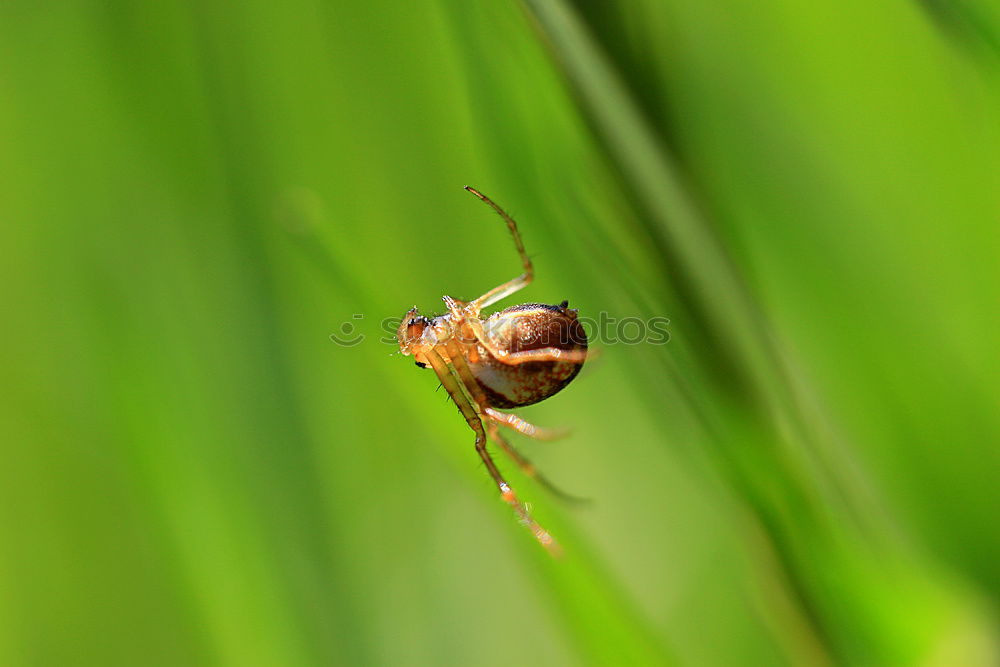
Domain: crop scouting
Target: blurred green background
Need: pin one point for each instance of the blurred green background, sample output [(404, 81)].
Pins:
[(196, 195)]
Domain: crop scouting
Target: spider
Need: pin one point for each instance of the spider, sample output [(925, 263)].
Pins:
[(516, 357)]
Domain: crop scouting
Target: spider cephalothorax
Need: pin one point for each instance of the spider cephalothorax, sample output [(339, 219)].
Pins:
[(516, 357)]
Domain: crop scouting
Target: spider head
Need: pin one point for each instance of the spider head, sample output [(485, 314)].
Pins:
[(411, 331)]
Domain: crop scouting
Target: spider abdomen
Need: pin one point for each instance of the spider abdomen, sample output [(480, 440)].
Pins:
[(530, 326)]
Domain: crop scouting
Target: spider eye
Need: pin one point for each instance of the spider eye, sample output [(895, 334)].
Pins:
[(415, 326)]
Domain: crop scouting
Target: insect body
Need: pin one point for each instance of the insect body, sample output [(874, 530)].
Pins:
[(516, 357)]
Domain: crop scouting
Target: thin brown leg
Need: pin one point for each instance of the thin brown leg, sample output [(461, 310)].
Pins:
[(524, 428), (465, 375), (506, 289), (544, 354), (455, 307), (454, 388), (527, 467)]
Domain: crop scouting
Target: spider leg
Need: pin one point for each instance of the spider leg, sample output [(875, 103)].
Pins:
[(454, 387), (454, 307), (523, 427), (545, 354), (542, 354), (465, 375), (527, 467), (506, 289)]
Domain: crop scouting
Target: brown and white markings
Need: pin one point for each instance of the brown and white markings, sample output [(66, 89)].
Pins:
[(518, 356)]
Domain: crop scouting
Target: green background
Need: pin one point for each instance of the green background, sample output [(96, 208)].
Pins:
[(196, 195)]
